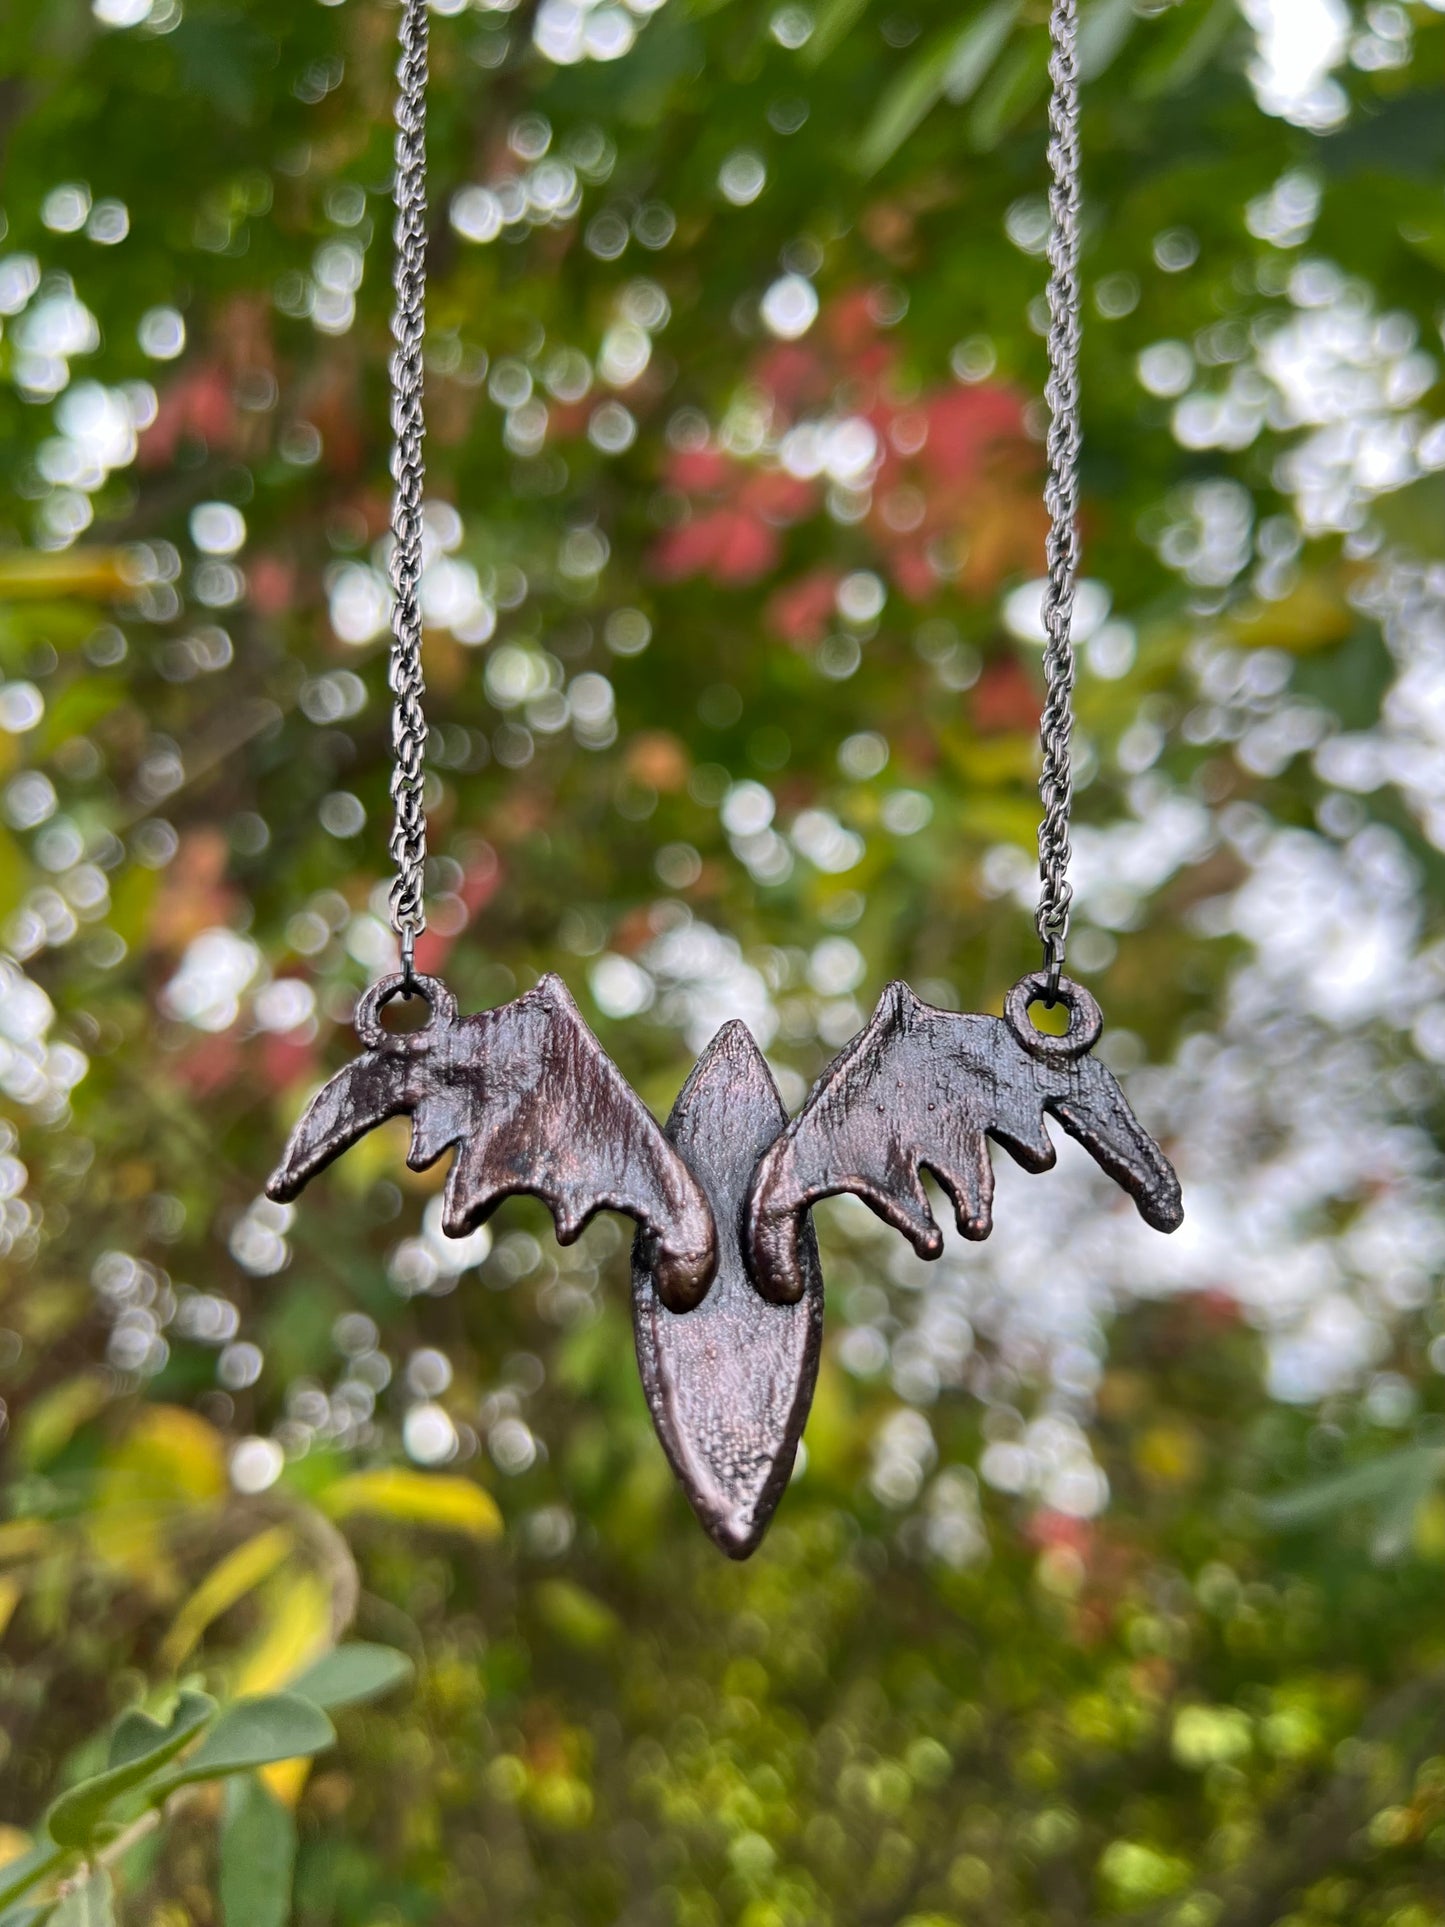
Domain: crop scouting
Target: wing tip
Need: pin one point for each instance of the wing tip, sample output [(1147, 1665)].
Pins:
[(282, 1187), (1162, 1206)]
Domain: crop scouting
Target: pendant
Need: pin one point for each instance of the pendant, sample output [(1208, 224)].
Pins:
[(729, 1383), (922, 1090), (533, 1104)]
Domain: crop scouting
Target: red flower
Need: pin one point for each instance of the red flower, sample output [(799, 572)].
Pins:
[(777, 497), (1050, 1530), (701, 471), (793, 375), (801, 610), (271, 580), (196, 405), (964, 426), (1005, 697), (725, 543)]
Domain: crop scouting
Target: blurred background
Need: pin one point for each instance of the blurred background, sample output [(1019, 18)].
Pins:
[(1108, 1587)]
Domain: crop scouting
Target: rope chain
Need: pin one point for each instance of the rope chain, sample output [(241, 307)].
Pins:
[(1061, 491), (408, 724)]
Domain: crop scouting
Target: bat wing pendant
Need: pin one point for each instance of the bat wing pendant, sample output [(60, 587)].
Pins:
[(533, 1104), (730, 1383), (922, 1090)]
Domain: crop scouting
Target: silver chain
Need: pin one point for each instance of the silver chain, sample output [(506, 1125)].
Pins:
[(1061, 492), (1061, 495), (408, 720)]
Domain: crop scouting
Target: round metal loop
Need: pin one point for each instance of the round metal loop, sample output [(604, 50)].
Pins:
[(1086, 1020), (375, 1036)]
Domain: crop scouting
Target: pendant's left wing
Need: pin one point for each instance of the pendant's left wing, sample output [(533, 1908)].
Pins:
[(533, 1104)]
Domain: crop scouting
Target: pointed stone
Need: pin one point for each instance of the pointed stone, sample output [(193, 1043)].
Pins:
[(729, 1383)]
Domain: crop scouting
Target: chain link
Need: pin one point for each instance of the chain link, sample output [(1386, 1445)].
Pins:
[(408, 725), (1061, 493)]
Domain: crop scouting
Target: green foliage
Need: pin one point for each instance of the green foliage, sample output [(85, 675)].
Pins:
[(139, 1747), (258, 1855), (27, 1869), (1089, 1603), (90, 1904), (352, 1675), (252, 1733), (147, 1766)]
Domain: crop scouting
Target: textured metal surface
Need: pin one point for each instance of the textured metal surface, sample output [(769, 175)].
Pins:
[(533, 1104), (408, 721), (1061, 494), (730, 1383), (922, 1090)]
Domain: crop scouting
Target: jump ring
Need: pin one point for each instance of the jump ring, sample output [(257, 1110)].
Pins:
[(372, 1032), (1086, 1020)]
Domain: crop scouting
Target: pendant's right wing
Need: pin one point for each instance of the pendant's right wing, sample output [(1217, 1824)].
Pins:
[(923, 1090)]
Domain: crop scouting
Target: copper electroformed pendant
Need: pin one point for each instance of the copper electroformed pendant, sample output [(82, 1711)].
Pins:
[(729, 1384), (533, 1104)]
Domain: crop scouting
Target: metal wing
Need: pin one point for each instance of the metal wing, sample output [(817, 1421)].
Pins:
[(535, 1105), (923, 1090)]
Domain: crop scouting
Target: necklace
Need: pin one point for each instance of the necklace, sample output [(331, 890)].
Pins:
[(727, 1285)]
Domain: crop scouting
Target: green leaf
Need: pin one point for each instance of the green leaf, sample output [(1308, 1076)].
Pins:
[(258, 1856), (90, 1905), (140, 1740), (138, 1746), (251, 1733), (351, 1674), (1021, 77), (577, 1616), (834, 20), (25, 1915), (953, 62), (1391, 1488), (1176, 65), (1413, 515), (977, 48), (1102, 33), (17, 1876)]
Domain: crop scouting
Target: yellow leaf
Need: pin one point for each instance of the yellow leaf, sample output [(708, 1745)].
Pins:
[(57, 1415), (9, 1600), (1312, 616), (1430, 1529), (418, 1498), (285, 1779), (237, 1574), (1169, 1454), (25, 574), (23, 1538), (298, 1630), (576, 1615), (13, 1843), (169, 1463)]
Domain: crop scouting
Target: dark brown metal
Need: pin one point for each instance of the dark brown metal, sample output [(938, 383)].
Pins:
[(922, 1090), (730, 1383), (534, 1104)]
